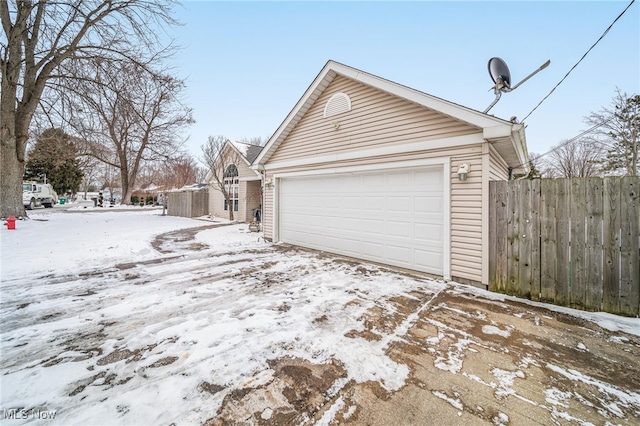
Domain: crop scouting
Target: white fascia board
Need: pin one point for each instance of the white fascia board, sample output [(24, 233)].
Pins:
[(497, 132), (520, 142), (515, 132), (427, 145)]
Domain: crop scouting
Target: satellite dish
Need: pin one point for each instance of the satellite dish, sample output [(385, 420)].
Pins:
[(499, 72)]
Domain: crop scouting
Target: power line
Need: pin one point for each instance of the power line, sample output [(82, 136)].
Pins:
[(583, 56), (589, 130)]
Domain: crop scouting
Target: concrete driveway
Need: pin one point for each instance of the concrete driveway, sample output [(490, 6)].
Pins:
[(257, 333), (472, 360)]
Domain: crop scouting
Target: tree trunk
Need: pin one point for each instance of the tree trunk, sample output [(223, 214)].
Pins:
[(11, 176), (229, 205), (126, 188)]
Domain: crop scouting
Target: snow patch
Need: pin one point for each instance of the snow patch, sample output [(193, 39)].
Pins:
[(492, 329), (330, 414), (455, 402), (505, 381)]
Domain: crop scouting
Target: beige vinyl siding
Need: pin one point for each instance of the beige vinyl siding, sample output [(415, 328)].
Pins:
[(466, 217), (267, 211), (252, 199), (499, 170), (376, 119), (241, 214)]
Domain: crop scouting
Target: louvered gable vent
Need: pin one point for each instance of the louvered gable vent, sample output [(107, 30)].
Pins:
[(339, 103)]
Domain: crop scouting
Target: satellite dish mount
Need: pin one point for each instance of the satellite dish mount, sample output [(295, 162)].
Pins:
[(501, 77)]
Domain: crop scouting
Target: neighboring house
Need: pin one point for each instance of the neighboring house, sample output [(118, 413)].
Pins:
[(368, 168), (242, 182)]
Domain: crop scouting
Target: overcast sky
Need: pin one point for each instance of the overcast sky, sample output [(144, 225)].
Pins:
[(246, 64)]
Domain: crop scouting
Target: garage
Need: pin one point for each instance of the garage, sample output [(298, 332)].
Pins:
[(395, 216), (372, 169)]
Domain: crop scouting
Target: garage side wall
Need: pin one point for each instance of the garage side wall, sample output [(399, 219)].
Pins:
[(466, 218), (499, 170), (376, 131)]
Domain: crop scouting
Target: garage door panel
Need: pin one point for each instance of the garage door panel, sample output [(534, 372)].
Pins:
[(392, 216), (427, 232), (374, 249), (400, 229), (352, 224), (373, 203), (350, 202), (426, 259), (432, 204), (399, 204), (374, 226), (400, 254)]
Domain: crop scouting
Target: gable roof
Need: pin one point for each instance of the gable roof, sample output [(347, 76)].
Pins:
[(508, 137), (246, 151)]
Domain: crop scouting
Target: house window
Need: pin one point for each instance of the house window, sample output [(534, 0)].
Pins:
[(231, 187)]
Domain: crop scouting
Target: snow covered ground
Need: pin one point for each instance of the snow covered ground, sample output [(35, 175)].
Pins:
[(104, 322)]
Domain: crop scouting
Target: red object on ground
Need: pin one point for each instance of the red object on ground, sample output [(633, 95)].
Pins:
[(11, 222)]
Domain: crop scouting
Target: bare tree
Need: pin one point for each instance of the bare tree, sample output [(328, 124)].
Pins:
[(131, 116), (571, 159), (200, 173), (256, 140), (222, 159), (618, 131), (175, 173), (43, 35)]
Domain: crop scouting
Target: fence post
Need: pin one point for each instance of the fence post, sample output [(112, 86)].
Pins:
[(513, 238), (563, 241), (577, 200), (593, 251), (548, 269), (611, 274), (498, 236), (629, 246)]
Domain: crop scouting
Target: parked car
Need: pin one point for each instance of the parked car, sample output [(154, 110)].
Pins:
[(38, 194)]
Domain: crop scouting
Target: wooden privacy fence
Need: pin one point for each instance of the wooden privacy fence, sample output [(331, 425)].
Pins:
[(188, 203), (570, 242)]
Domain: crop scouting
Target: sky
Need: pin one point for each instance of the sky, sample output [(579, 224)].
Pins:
[(246, 64)]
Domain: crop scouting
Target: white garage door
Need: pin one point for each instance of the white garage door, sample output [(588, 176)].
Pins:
[(394, 217)]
